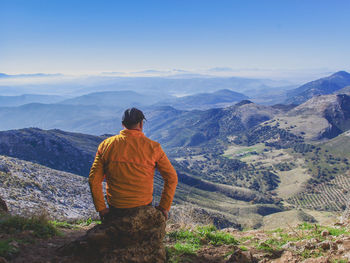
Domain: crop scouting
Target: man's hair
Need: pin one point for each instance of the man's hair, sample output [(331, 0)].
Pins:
[(131, 117)]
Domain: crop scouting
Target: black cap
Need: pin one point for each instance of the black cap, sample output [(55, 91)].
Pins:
[(132, 116)]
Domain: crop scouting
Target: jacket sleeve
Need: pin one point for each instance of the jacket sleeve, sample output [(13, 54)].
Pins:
[(169, 175), (96, 178)]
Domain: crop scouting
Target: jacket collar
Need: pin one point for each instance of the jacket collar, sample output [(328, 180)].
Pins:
[(127, 132)]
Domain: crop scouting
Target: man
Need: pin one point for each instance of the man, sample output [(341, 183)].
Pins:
[(127, 161)]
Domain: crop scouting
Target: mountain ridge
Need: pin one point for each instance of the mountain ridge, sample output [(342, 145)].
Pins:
[(322, 86)]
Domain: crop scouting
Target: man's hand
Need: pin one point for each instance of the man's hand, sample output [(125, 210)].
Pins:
[(103, 213), (164, 212)]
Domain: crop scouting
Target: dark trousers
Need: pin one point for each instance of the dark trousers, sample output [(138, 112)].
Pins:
[(120, 212)]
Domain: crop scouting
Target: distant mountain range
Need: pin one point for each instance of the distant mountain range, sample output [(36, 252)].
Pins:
[(323, 86), (7, 101), (121, 99), (177, 85), (78, 118), (3, 75), (217, 99)]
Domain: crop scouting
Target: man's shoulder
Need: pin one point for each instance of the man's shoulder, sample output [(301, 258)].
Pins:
[(151, 142), (108, 140)]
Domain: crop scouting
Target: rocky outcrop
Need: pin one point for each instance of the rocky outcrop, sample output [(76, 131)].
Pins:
[(28, 188), (134, 236), (3, 206)]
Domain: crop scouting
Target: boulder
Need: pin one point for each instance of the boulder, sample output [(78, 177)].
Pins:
[(240, 256), (135, 236), (3, 206)]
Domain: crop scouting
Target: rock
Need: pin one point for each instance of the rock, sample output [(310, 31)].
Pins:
[(137, 236), (325, 233), (3, 207), (290, 245), (4, 168), (287, 256), (317, 260), (240, 256), (325, 245), (309, 245)]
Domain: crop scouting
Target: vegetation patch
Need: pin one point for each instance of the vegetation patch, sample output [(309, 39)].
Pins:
[(189, 241), (39, 225), (7, 248)]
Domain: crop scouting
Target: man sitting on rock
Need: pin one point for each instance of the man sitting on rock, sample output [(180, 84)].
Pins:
[(128, 161)]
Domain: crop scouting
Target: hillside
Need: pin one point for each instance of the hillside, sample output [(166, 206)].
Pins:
[(323, 86), (30, 187), (320, 117), (65, 151), (174, 128)]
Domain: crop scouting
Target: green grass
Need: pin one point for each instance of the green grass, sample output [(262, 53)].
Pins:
[(243, 248), (339, 261), (317, 229), (188, 241), (74, 225), (40, 226), (6, 249), (246, 151), (186, 248), (203, 235)]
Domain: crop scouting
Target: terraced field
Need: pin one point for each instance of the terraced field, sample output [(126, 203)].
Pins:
[(332, 195)]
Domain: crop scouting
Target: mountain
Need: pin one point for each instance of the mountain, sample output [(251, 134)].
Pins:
[(166, 124), (322, 86), (77, 118), (66, 151), (122, 99), (3, 75), (173, 128), (320, 117), (177, 85), (345, 90), (217, 99), (6, 101)]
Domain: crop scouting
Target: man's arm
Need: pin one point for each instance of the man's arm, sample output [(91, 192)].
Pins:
[(96, 178), (169, 175)]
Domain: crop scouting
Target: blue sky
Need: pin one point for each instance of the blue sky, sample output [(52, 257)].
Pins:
[(83, 36)]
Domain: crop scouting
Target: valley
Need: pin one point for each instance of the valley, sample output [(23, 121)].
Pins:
[(238, 165)]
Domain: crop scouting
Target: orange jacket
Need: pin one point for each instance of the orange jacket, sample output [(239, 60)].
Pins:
[(127, 161)]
